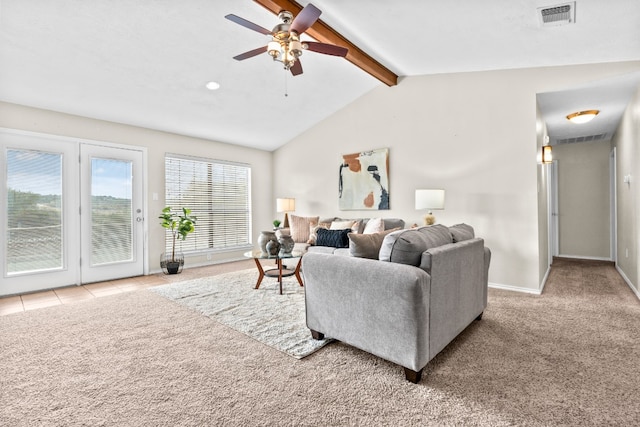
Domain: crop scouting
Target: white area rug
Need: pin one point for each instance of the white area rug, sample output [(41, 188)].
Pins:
[(263, 314)]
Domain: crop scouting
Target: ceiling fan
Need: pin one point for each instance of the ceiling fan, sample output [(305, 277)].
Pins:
[(285, 45)]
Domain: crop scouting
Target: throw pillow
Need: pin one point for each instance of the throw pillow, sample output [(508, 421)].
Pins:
[(313, 232), (374, 225), (367, 245), (460, 232), (333, 238), (342, 224), (300, 226)]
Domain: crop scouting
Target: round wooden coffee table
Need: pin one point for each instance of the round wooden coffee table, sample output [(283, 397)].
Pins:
[(278, 271)]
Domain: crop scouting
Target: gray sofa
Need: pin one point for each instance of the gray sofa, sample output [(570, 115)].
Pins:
[(428, 285)]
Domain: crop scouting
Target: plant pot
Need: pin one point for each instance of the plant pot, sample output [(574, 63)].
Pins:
[(172, 265)]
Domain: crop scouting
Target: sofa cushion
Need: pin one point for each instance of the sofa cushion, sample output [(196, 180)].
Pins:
[(460, 232), (333, 238), (406, 246), (367, 245), (300, 226), (390, 223)]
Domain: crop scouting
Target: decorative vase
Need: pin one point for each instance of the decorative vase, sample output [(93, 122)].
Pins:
[(286, 243), (264, 238), (273, 247), (172, 265)]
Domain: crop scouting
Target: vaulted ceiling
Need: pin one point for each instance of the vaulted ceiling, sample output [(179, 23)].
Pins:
[(146, 63)]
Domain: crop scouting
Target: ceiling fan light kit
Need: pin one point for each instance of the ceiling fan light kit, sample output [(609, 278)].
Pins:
[(582, 116), (285, 45)]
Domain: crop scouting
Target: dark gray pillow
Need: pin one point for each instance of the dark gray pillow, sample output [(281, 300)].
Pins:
[(406, 246), (461, 232), (333, 238)]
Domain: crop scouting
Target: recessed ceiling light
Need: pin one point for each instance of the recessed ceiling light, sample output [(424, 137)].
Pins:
[(213, 85), (582, 116)]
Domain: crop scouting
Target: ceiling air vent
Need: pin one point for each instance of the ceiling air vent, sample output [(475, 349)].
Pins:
[(587, 138), (561, 14)]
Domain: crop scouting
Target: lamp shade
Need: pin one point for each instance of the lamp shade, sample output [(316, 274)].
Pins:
[(547, 156), (285, 205), (429, 199)]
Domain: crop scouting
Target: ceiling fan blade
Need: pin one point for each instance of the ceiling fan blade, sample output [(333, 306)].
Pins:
[(248, 24), (250, 53), (296, 68), (306, 18), (327, 49)]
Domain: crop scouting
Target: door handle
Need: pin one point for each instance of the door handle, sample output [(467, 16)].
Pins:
[(139, 219)]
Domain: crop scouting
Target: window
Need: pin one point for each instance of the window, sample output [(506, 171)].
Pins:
[(34, 211), (218, 194)]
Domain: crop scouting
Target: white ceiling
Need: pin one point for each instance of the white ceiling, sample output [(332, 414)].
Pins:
[(146, 62)]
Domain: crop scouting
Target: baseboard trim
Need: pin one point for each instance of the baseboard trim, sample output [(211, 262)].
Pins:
[(590, 258), (515, 289), (544, 279), (635, 291)]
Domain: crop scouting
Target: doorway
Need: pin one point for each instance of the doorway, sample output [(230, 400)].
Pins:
[(72, 212)]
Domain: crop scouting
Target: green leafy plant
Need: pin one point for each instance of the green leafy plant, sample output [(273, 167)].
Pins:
[(276, 223), (180, 225)]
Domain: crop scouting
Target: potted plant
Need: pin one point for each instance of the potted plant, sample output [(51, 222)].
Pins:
[(180, 225), (276, 224)]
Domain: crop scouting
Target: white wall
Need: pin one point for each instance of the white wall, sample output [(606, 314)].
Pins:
[(583, 199), (626, 140), (473, 134), (543, 197), (157, 143)]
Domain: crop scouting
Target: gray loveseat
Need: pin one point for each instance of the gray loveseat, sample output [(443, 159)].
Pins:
[(428, 285)]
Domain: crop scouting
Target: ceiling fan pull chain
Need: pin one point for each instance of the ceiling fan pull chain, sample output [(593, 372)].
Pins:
[(286, 91)]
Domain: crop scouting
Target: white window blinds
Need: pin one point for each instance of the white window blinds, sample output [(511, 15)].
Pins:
[(218, 194), (33, 211)]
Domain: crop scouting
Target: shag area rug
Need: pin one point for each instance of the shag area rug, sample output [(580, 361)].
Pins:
[(263, 314)]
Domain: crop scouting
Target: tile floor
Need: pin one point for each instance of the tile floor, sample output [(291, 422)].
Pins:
[(74, 294)]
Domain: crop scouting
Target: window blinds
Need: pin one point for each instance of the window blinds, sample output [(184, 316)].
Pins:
[(218, 194)]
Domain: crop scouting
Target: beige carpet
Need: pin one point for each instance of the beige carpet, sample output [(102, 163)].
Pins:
[(569, 357)]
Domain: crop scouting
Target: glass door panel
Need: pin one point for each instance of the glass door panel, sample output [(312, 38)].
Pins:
[(111, 212), (34, 212)]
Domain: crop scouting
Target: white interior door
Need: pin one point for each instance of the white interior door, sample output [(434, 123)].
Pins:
[(552, 192), (112, 218)]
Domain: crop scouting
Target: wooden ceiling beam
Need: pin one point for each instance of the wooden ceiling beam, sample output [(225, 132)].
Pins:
[(325, 34)]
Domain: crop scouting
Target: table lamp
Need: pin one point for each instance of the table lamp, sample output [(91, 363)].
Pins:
[(429, 200)]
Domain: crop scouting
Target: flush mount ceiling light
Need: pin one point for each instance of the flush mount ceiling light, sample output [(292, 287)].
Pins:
[(213, 85), (582, 116)]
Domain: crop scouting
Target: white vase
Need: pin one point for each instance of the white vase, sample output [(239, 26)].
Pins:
[(264, 238)]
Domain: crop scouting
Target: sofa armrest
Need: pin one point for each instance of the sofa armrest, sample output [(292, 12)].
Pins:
[(458, 289), (379, 307)]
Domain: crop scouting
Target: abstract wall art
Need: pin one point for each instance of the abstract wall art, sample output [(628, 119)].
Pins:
[(363, 180)]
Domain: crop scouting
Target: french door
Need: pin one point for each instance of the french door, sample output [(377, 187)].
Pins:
[(71, 212), (111, 219)]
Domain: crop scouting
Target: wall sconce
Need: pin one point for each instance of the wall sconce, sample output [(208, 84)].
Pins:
[(547, 156), (429, 199), (285, 205)]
